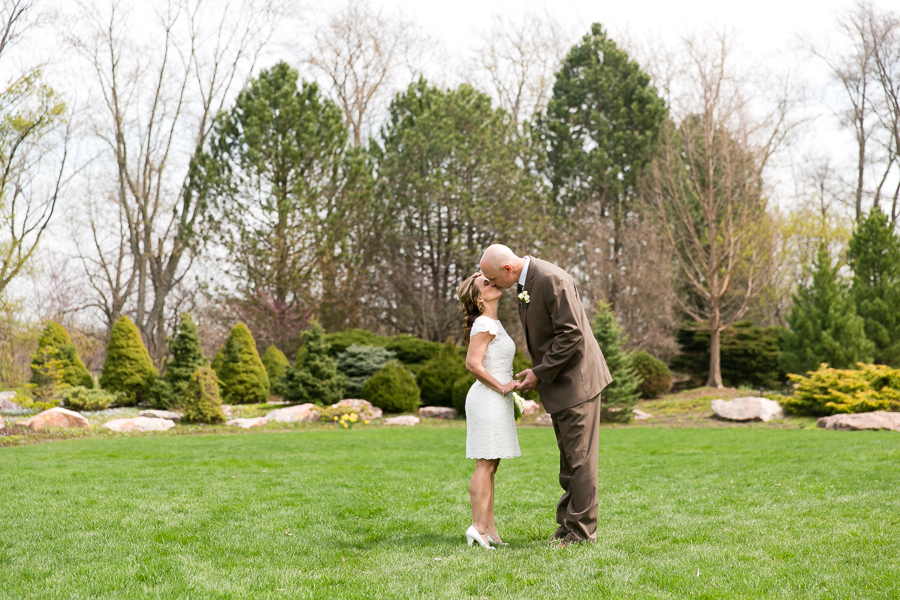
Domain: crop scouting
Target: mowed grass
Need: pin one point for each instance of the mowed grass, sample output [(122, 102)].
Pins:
[(380, 513)]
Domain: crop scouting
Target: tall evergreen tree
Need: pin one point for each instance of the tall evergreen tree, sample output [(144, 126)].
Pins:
[(239, 368), (314, 376), (56, 360), (128, 368), (622, 394), (288, 190), (823, 326), (874, 256), (187, 356)]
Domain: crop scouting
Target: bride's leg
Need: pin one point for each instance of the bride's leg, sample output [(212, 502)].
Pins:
[(492, 527), (480, 492)]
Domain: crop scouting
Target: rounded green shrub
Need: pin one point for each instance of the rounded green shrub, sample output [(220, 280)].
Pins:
[(460, 391), (240, 370), (392, 389), (201, 402), (437, 376), (412, 350), (81, 398), (56, 361), (520, 363), (128, 369), (277, 365), (656, 378), (314, 376), (339, 341), (358, 363)]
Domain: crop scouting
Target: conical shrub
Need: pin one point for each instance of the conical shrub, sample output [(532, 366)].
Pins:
[(239, 368), (201, 401), (277, 365), (56, 361), (187, 356), (128, 368), (314, 376)]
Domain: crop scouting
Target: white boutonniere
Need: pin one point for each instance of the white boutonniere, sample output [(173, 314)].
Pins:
[(524, 298)]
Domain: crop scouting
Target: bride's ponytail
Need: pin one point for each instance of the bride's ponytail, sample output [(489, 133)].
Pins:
[(469, 295)]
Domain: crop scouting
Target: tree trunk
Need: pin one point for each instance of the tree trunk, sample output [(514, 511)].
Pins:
[(715, 355)]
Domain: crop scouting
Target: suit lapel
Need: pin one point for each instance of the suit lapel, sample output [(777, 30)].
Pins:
[(529, 280)]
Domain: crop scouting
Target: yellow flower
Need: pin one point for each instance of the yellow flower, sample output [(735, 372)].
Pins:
[(335, 418), (345, 425), (366, 422)]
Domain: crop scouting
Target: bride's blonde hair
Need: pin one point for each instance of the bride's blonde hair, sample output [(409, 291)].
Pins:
[(473, 306)]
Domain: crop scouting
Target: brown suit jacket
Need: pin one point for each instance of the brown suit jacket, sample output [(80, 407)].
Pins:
[(566, 356)]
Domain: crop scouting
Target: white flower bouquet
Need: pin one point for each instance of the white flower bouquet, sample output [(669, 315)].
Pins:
[(518, 405)]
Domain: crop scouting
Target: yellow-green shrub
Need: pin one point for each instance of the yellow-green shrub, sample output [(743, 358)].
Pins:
[(830, 391)]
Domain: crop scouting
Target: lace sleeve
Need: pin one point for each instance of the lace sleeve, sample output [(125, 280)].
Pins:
[(484, 324)]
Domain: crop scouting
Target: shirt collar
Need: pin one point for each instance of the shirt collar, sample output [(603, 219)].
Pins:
[(524, 271)]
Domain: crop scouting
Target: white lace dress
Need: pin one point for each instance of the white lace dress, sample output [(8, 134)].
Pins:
[(490, 420)]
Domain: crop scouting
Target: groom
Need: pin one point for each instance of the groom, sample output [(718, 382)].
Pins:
[(569, 372)]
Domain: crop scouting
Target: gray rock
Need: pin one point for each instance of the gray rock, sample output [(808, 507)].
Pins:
[(640, 415), (226, 410), (160, 414), (544, 419), (139, 424), (363, 407), (7, 404), (437, 412), (56, 417), (747, 409), (871, 420), (247, 423), (302, 413), (407, 420), (531, 407)]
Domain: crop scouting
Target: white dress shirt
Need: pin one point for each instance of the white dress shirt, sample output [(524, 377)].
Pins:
[(524, 271)]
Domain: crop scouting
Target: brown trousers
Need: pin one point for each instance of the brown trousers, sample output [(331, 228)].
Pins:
[(578, 437)]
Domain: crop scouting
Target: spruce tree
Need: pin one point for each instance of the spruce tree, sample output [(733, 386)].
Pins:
[(56, 361), (277, 365), (823, 326), (187, 356), (874, 256), (314, 376), (622, 394), (201, 400), (239, 368), (128, 368)]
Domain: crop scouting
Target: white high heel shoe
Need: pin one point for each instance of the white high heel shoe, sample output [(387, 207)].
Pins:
[(472, 535), (491, 540)]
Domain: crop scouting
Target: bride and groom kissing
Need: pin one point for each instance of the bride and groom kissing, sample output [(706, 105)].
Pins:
[(569, 372)]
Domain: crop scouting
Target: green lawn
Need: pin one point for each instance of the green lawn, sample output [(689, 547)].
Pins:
[(380, 513)]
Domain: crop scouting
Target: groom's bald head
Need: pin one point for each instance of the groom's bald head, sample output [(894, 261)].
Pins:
[(501, 265)]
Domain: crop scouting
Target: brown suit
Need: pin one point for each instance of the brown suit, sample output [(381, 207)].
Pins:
[(573, 372)]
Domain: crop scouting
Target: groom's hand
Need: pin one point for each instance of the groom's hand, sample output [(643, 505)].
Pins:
[(530, 382)]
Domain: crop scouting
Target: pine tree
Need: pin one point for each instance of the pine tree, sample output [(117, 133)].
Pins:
[(187, 356), (277, 365), (314, 376), (874, 256), (823, 324), (239, 368), (56, 361), (622, 394), (128, 368)]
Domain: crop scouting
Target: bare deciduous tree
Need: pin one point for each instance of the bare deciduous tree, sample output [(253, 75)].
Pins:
[(158, 97), (34, 144), (517, 60), (364, 54), (710, 193)]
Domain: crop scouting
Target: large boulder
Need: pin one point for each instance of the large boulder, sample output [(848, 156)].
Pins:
[(226, 410), (139, 424), (437, 412), (747, 409), (544, 419), (160, 414), (407, 420), (871, 420), (640, 415), (302, 413), (56, 417), (362, 407), (2, 424), (247, 423)]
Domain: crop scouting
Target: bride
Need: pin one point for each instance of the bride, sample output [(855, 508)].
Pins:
[(490, 420)]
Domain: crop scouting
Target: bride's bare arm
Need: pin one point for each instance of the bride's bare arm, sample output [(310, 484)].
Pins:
[(478, 344)]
